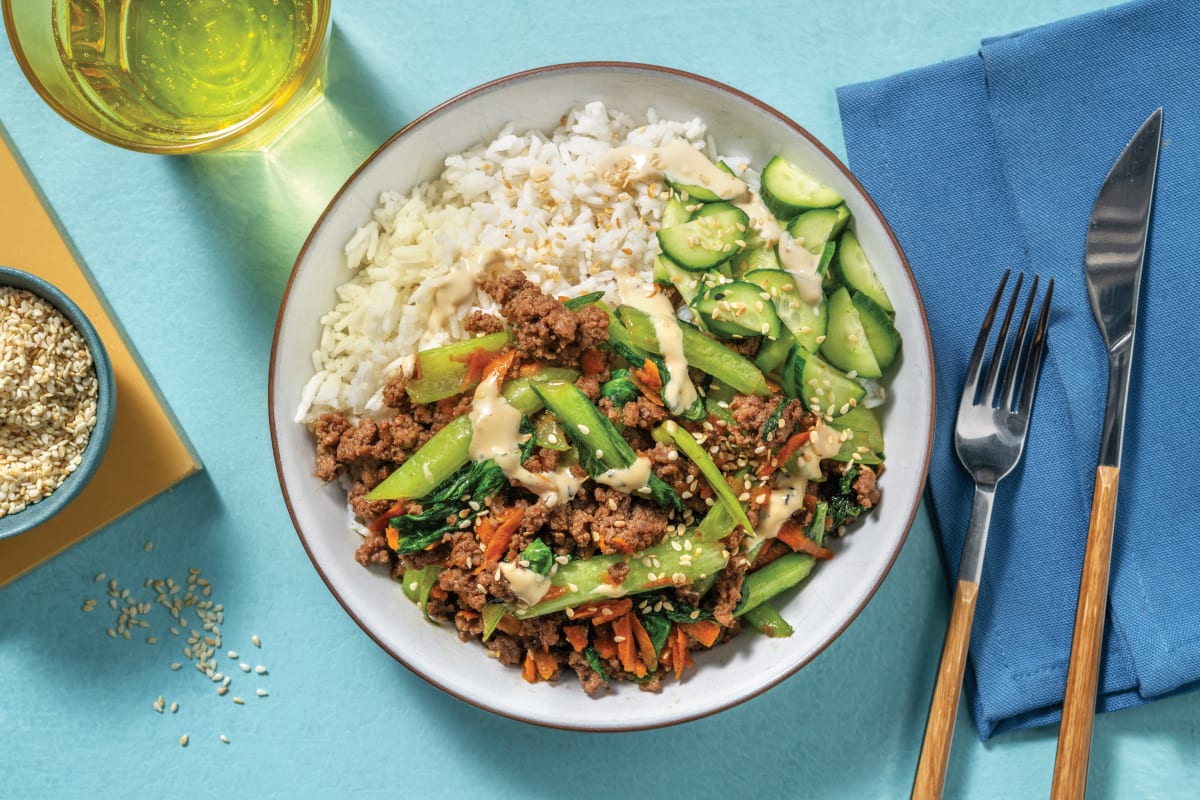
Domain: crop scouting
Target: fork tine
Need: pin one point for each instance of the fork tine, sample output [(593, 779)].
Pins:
[(988, 395), (1019, 357), (975, 365), (1037, 350)]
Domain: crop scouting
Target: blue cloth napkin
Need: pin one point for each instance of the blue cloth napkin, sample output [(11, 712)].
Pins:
[(993, 161)]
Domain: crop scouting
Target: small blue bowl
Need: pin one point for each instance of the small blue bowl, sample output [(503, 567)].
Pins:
[(106, 407)]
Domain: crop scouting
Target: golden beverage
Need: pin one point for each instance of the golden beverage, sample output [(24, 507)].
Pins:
[(184, 74)]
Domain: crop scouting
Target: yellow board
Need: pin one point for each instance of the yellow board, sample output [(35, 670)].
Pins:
[(147, 453)]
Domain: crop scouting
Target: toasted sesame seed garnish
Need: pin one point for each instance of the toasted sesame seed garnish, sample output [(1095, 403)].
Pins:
[(148, 546), (244, 667), (221, 690), (175, 665), (260, 669), (224, 738), (239, 701), (183, 740), (261, 692), (174, 708), (99, 577)]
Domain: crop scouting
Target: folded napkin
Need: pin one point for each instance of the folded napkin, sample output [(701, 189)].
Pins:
[(991, 162)]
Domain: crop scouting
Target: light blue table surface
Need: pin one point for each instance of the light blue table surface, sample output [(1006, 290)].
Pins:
[(193, 254)]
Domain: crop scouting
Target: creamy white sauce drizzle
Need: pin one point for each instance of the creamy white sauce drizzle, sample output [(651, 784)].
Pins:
[(679, 392), (802, 265), (527, 585), (628, 480), (496, 433), (760, 216), (608, 590), (460, 286), (677, 160), (787, 491)]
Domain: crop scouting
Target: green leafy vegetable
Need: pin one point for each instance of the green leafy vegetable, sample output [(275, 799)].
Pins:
[(620, 388), (440, 510), (843, 505), (539, 556), (595, 662), (576, 303)]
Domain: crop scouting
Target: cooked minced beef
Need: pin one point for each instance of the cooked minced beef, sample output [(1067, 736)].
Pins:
[(598, 520)]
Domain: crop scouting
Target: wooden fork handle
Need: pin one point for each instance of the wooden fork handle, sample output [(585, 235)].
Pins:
[(939, 730), (1079, 701)]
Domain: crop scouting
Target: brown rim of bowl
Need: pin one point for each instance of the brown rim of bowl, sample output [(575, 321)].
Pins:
[(581, 66)]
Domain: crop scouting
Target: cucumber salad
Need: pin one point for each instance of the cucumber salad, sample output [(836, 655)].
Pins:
[(602, 484)]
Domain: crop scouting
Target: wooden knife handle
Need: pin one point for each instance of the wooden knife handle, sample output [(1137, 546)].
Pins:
[(1079, 702), (939, 730)]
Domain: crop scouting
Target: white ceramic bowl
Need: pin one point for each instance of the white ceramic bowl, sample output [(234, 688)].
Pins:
[(726, 675)]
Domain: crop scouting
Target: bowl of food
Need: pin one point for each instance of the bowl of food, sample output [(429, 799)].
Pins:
[(588, 371), (57, 401)]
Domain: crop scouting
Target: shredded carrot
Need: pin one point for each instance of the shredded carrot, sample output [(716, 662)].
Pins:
[(546, 663), (393, 537), (530, 368), (384, 519), (553, 592), (484, 529), (509, 624), (438, 593), (529, 668), (794, 443), (601, 611), (648, 375), (770, 551), (499, 366), (592, 361), (665, 580), (467, 613), (605, 646), (791, 535), (677, 641), (704, 631), (499, 541), (476, 361), (627, 646), (577, 635), (645, 646)]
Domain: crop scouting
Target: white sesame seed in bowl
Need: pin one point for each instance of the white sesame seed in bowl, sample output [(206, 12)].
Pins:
[(57, 401), (344, 239)]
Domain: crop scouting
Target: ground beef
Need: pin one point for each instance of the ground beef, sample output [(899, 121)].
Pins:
[(541, 633), (328, 432), (639, 413), (373, 550), (864, 487), (677, 472), (473, 588), (543, 460), (366, 510), (589, 679), (728, 590), (481, 322), (543, 328), (617, 573), (747, 348), (468, 625), (507, 649), (625, 525), (394, 393), (590, 386)]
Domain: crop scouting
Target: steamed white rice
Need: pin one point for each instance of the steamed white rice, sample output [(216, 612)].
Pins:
[(533, 199)]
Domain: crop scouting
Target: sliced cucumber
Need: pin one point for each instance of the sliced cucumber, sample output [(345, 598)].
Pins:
[(813, 229), (825, 267), (823, 389), (806, 323), (675, 212), (694, 192), (668, 273), (773, 352), (866, 444), (881, 331), (707, 241), (856, 271), (787, 190), (755, 257), (738, 309), (846, 344)]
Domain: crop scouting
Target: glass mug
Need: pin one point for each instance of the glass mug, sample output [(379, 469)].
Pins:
[(174, 76)]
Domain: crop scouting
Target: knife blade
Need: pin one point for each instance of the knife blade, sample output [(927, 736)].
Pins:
[(1113, 258)]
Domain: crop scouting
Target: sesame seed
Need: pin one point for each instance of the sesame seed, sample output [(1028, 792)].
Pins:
[(261, 692), (261, 670), (174, 708), (183, 740), (224, 738), (99, 577), (244, 667), (148, 546), (238, 701)]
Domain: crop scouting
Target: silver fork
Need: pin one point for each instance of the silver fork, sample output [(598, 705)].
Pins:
[(993, 419)]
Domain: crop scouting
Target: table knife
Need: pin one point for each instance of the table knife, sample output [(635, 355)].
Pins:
[(1113, 257)]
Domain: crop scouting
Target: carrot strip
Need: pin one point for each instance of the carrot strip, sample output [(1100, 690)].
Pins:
[(509, 624), (577, 635), (477, 361), (546, 664), (627, 646), (704, 631), (384, 519), (438, 593), (678, 643), (791, 535), (529, 668), (553, 592), (500, 365), (498, 544), (786, 452), (592, 361), (648, 375), (393, 537), (601, 611), (603, 640), (645, 646)]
